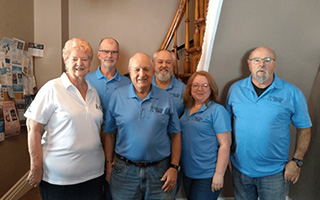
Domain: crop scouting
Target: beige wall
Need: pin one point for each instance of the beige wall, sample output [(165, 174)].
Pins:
[(48, 31), (137, 25), (291, 28), (16, 21), (308, 186), (286, 26)]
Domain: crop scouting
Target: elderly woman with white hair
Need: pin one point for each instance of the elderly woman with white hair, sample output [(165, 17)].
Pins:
[(64, 121)]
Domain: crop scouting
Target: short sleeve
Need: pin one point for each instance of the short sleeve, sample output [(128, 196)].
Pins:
[(42, 106)]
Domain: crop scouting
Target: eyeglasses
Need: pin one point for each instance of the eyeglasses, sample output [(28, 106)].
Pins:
[(204, 86), (108, 51), (266, 60)]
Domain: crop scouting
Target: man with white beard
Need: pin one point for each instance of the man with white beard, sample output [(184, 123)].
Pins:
[(262, 107), (164, 62)]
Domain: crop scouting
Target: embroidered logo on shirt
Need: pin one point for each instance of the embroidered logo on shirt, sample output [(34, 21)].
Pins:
[(275, 99), (176, 95), (196, 118), (98, 107), (156, 109)]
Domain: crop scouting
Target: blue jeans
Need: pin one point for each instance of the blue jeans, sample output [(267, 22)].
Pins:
[(266, 188), (128, 181), (199, 189)]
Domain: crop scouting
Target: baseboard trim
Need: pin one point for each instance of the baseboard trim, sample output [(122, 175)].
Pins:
[(18, 190)]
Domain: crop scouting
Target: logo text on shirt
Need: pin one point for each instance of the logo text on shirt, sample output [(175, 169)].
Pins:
[(98, 107), (176, 95), (156, 109), (196, 118), (275, 99)]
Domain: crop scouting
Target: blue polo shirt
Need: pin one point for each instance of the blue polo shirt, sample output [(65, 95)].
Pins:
[(176, 89), (104, 86), (261, 125), (199, 139), (143, 126)]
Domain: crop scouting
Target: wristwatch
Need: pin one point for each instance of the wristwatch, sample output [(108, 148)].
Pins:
[(298, 162), (175, 167)]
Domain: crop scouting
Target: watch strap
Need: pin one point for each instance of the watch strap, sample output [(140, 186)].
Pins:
[(298, 162), (174, 166)]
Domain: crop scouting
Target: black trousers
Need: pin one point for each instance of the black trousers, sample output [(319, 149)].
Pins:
[(89, 190)]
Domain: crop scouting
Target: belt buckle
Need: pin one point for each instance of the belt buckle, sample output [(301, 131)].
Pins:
[(141, 164)]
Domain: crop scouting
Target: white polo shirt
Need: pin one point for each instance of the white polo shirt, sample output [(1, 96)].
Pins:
[(71, 145)]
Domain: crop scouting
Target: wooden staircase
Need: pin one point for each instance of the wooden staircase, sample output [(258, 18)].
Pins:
[(192, 52)]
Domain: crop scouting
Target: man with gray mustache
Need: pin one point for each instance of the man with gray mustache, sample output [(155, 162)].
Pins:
[(262, 107), (164, 62)]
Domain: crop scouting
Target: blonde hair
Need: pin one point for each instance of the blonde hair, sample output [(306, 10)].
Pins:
[(76, 43)]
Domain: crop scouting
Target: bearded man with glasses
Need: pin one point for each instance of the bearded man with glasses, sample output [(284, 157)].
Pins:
[(262, 107)]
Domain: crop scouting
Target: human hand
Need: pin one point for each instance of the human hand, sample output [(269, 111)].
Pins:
[(170, 178), (217, 182), (292, 172), (35, 176)]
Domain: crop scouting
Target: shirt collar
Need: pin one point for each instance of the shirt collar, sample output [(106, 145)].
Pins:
[(65, 80), (67, 83), (170, 86), (99, 75), (203, 108), (132, 93), (276, 83)]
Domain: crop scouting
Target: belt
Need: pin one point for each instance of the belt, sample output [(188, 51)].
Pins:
[(138, 164)]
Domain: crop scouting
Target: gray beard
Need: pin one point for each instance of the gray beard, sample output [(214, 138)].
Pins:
[(163, 78), (261, 79)]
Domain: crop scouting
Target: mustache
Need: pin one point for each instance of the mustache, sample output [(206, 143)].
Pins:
[(108, 59), (164, 68), (261, 69)]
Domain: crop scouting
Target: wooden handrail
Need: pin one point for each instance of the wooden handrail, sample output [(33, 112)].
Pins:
[(186, 64), (174, 25), (200, 12)]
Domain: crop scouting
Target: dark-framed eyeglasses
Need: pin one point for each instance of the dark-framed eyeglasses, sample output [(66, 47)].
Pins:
[(108, 51)]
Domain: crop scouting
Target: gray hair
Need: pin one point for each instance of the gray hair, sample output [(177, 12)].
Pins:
[(173, 56)]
